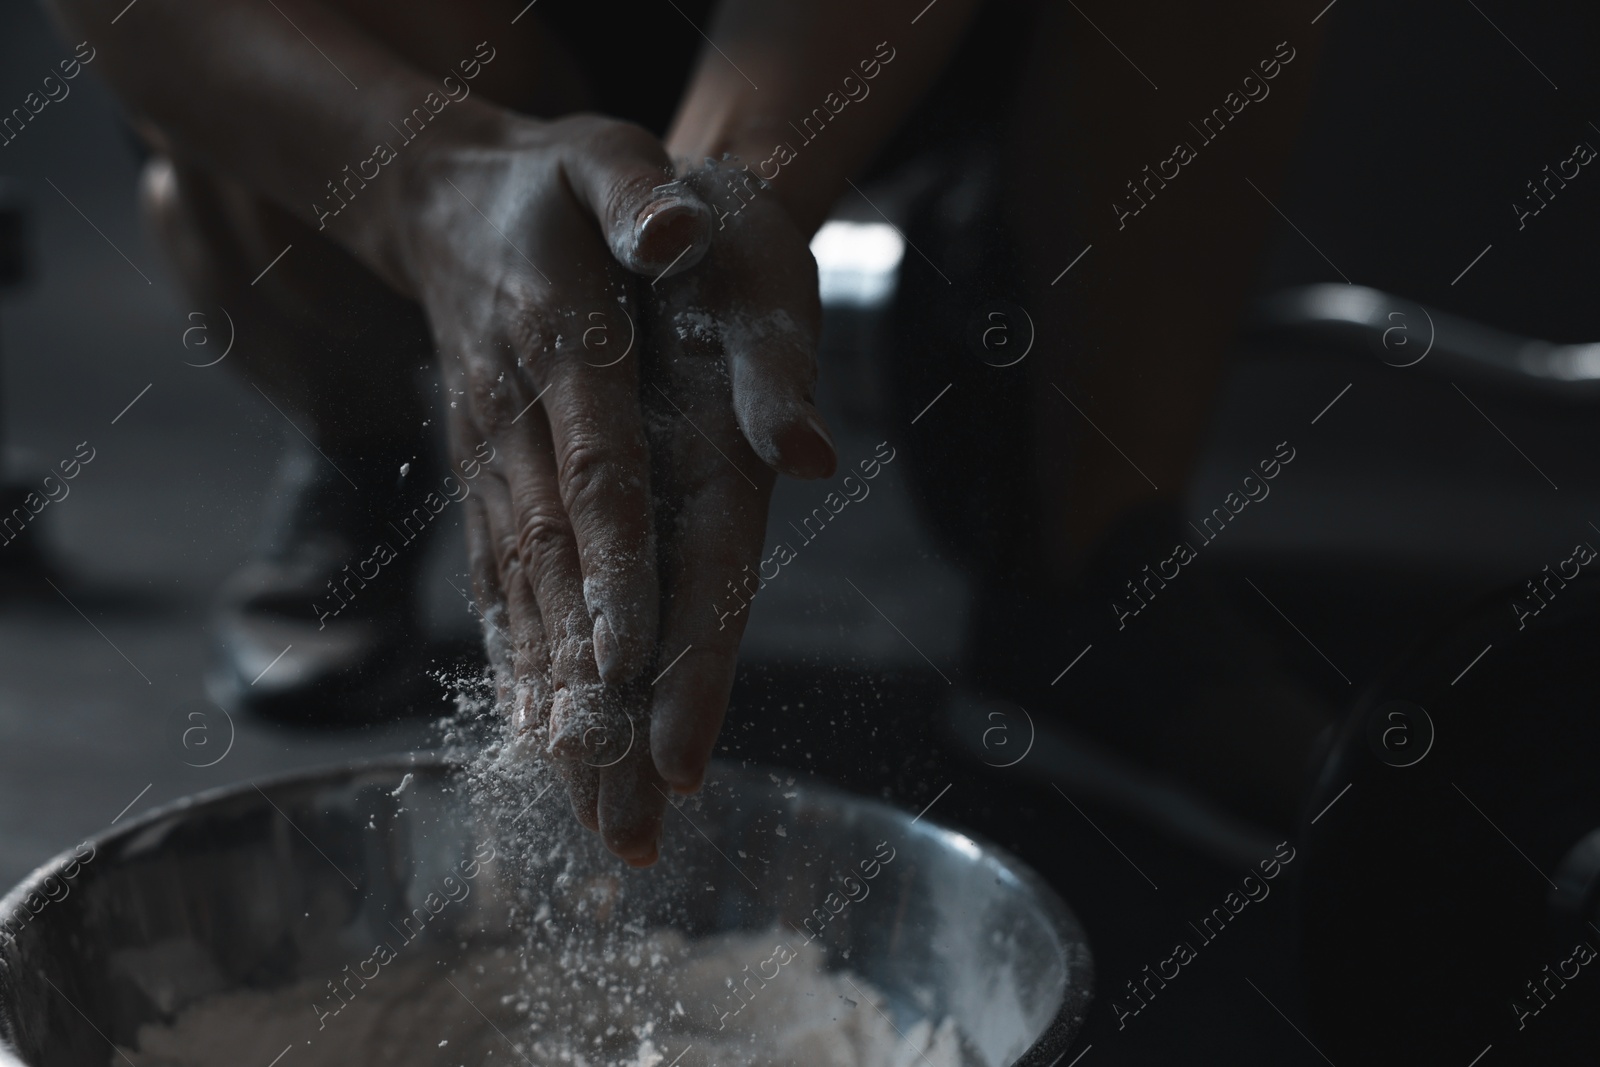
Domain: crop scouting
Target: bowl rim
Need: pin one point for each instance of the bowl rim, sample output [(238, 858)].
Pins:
[(1046, 1050)]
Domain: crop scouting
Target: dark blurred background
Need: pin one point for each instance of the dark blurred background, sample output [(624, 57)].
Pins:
[(1404, 502)]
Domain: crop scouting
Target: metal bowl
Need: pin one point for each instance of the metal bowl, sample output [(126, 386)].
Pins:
[(258, 887)]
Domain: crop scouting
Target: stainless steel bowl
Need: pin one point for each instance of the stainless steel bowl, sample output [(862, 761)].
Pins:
[(257, 887)]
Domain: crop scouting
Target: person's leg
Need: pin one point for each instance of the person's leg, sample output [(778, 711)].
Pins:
[(1152, 308), (1131, 348), (331, 341), (1058, 479), (317, 333), (340, 355)]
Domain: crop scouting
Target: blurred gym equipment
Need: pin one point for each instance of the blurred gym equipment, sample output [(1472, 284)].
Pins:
[(1452, 875), (1450, 887)]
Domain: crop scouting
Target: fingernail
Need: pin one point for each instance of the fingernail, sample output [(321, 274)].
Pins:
[(821, 431), (649, 851), (562, 728), (645, 859), (672, 233), (670, 196), (522, 715), (806, 449), (607, 652), (661, 206), (686, 787)]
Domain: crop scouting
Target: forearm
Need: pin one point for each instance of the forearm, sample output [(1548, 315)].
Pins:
[(240, 88), (804, 91)]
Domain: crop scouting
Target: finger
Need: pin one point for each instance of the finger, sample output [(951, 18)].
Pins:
[(602, 470), (546, 545), (654, 224), (723, 488), (583, 790), (511, 615), (772, 367), (704, 622), (633, 801), (488, 600), (769, 339), (505, 580)]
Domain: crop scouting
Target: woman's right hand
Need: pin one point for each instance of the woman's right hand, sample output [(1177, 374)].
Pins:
[(524, 250)]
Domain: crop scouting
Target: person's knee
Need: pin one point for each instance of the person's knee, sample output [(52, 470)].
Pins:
[(158, 192), (184, 210), (162, 204)]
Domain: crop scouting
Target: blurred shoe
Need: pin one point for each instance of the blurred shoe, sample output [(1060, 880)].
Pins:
[(24, 563), (320, 627)]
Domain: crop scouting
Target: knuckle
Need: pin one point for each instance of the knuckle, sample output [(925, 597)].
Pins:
[(578, 126), (507, 557), (536, 331), (546, 337), (627, 191), (493, 399), (635, 164), (544, 534), (588, 471), (613, 138)]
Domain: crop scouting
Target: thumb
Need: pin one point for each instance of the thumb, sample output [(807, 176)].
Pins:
[(654, 224)]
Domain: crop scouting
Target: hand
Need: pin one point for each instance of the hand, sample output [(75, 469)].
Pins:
[(729, 394), (513, 244)]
